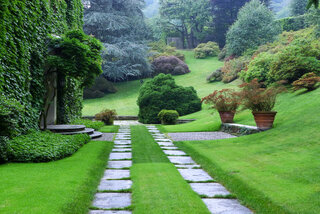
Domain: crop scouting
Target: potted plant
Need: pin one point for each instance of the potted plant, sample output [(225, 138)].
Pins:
[(261, 102), (107, 116), (226, 101)]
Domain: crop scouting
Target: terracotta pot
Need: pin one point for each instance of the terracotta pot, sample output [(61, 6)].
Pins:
[(264, 120), (226, 116)]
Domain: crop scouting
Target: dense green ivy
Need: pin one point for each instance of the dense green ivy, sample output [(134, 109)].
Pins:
[(24, 27)]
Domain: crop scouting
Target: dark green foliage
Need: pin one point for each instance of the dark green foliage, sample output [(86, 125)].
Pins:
[(24, 26), (168, 117), (204, 50), (3, 149), (107, 116), (101, 87), (44, 146), (163, 93), (298, 7), (96, 125), (293, 23)]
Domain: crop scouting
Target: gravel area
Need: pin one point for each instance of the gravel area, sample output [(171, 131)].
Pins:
[(189, 136), (105, 137)]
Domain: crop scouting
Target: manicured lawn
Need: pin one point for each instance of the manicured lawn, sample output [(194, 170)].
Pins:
[(65, 186), (157, 185), (124, 101), (277, 171), (109, 129)]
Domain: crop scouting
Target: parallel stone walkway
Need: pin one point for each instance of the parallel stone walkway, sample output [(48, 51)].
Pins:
[(114, 191), (213, 194)]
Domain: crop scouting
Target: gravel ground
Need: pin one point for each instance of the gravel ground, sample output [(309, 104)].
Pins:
[(105, 137), (189, 136)]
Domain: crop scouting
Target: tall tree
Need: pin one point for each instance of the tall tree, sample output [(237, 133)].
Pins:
[(225, 13), (120, 25), (298, 7), (187, 17)]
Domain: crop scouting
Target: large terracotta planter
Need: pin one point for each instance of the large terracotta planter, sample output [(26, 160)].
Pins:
[(264, 120), (226, 116)]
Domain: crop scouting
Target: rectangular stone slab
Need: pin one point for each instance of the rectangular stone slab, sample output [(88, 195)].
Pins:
[(119, 164), (162, 140), (194, 175), (122, 142), (165, 144), (109, 212), (169, 147), (174, 152), (114, 185), (112, 200), (181, 160), (187, 166), (122, 150), (120, 155), (209, 189), (228, 206), (122, 146), (116, 174)]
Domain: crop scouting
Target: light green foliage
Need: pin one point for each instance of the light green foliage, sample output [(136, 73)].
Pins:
[(293, 23), (255, 26), (44, 146), (157, 185), (232, 68), (71, 182), (160, 48), (204, 50), (168, 117), (163, 93), (109, 129), (96, 125)]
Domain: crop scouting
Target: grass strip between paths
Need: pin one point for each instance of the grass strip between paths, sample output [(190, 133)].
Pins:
[(157, 185), (64, 186)]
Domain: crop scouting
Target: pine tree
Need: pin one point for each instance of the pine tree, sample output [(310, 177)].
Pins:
[(120, 25)]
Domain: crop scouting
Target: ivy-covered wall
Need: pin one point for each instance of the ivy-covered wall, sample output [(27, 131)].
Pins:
[(24, 27)]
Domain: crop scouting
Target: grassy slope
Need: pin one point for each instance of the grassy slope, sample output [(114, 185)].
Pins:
[(124, 101), (277, 171), (157, 185), (65, 186)]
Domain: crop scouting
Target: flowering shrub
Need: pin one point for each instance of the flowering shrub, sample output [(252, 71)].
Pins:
[(204, 50), (169, 65), (309, 81), (107, 116), (223, 100), (168, 117), (257, 98)]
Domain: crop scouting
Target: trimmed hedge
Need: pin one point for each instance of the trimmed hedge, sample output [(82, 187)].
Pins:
[(44, 146), (163, 93), (168, 117)]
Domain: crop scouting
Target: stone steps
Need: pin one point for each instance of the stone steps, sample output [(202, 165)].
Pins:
[(73, 130)]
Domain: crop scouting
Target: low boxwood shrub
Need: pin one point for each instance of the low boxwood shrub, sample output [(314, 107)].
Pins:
[(162, 93), (204, 50), (168, 117), (96, 125), (44, 146), (169, 65), (107, 116)]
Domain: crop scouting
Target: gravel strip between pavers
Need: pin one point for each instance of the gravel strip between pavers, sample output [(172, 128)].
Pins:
[(190, 136)]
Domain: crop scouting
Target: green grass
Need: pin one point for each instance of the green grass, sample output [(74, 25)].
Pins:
[(277, 171), (109, 129), (157, 185), (124, 101), (64, 186)]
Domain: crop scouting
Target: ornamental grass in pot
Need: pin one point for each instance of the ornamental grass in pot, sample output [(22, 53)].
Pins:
[(261, 102), (226, 101)]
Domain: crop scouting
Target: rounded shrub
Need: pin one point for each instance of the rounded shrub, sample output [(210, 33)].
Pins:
[(107, 116), (216, 76), (204, 50), (169, 65), (162, 93), (168, 117)]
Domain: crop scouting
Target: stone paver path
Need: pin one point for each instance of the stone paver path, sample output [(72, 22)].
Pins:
[(190, 136), (126, 122), (114, 192), (105, 137), (212, 193)]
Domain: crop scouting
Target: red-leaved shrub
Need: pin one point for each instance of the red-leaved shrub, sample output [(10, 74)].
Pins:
[(169, 65)]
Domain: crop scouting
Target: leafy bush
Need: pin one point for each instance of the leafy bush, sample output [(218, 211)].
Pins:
[(168, 117), (216, 76), (11, 114), (160, 48), (223, 54), (107, 116), (309, 81), (44, 146), (169, 65), (3, 149), (292, 23), (101, 87), (223, 100), (96, 125), (257, 98), (232, 68), (162, 93), (255, 26), (204, 50)]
